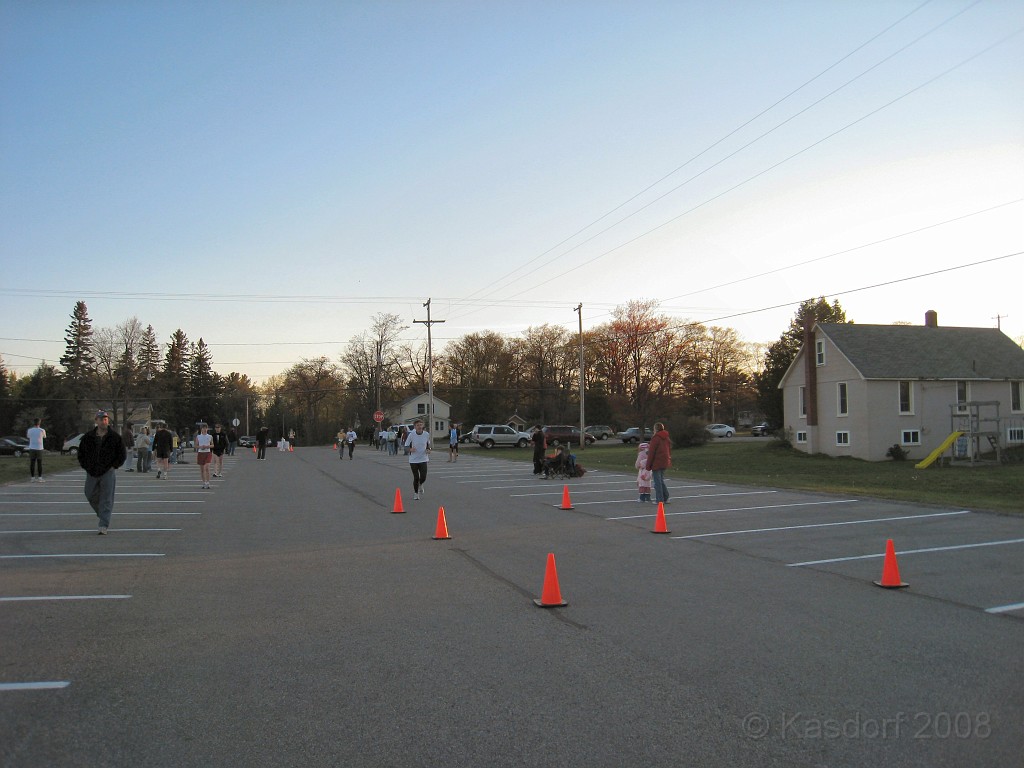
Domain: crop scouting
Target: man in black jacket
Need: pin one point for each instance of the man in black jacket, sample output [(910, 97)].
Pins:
[(100, 453)]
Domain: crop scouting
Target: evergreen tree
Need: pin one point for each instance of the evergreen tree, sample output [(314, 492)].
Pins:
[(781, 353), (149, 355), (173, 383), (79, 359), (6, 405), (203, 382)]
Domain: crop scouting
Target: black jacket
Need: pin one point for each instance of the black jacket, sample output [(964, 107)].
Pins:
[(97, 457), (220, 443)]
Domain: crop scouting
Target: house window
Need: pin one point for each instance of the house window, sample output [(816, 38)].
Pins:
[(421, 408), (906, 397), (1016, 395), (962, 396), (801, 437), (842, 404), (803, 401), (819, 353), (910, 437), (1015, 435), (842, 438)]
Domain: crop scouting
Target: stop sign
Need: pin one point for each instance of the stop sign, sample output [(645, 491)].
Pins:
[(378, 416)]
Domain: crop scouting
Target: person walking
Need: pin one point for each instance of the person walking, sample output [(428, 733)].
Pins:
[(232, 441), (204, 453), (142, 451), (220, 445), (350, 441), (392, 440), (36, 435), (261, 443), (453, 443), (659, 458), (163, 444), (100, 453), (540, 444), (417, 445), (644, 476)]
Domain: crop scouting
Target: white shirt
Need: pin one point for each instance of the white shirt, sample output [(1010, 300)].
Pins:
[(419, 444), (35, 436), (204, 443)]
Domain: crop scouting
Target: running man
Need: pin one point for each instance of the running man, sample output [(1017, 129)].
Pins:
[(417, 445)]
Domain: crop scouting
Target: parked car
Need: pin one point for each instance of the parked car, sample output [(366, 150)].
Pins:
[(19, 439), (491, 435), (632, 435), (601, 431), (720, 430), (760, 429), (556, 434), (247, 441), (466, 437), (72, 443), (10, 448)]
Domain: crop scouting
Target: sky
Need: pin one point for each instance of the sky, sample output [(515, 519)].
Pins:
[(268, 176)]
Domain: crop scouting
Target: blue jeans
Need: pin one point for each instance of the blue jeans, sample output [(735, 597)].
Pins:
[(100, 493), (660, 489)]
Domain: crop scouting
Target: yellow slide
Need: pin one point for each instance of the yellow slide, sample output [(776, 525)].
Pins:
[(938, 451)]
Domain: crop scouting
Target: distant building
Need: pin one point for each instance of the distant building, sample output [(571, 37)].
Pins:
[(857, 390), (416, 407)]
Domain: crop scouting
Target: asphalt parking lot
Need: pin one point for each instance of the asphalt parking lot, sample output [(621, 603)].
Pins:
[(289, 617)]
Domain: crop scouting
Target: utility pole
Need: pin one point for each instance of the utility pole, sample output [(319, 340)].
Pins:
[(583, 422), (430, 370), (999, 321)]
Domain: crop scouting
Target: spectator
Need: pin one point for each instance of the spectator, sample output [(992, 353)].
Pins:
[(659, 458), (100, 453), (36, 435)]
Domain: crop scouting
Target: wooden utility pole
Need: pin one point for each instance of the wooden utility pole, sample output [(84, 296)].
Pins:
[(430, 370)]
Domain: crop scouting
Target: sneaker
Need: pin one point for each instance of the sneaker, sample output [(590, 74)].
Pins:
[(40, 480), (159, 474), (102, 531), (423, 491), (416, 496)]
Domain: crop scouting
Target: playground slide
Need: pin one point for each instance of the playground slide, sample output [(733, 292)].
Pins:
[(938, 451)]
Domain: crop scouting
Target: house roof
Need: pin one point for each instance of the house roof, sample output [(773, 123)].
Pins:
[(921, 352), (419, 396)]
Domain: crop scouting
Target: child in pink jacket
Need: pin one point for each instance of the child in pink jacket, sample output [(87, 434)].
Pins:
[(643, 477)]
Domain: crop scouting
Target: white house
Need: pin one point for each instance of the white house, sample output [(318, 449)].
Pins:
[(857, 390), (407, 411)]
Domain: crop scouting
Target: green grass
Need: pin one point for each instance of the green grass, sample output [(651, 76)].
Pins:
[(984, 487), (15, 469)]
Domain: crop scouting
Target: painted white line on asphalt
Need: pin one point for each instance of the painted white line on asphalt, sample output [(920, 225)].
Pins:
[(909, 552), (93, 530), (821, 525), (741, 509), (83, 501), (628, 482), (83, 554), (1005, 608), (45, 598), (120, 493), (92, 514), (634, 501), (45, 686)]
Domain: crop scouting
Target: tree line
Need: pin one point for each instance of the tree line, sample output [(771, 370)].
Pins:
[(639, 366)]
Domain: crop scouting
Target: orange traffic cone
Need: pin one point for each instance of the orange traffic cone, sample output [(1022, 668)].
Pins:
[(398, 502), (552, 596), (254, 449), (566, 501), (335, 446), (291, 448), (659, 524), (442, 525), (890, 571)]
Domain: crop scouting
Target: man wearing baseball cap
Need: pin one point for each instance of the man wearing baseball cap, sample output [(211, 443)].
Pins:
[(100, 453)]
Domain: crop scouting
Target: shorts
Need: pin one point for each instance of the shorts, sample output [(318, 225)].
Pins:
[(203, 458)]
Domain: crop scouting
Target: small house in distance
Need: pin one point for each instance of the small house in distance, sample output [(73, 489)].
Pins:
[(416, 407), (857, 390)]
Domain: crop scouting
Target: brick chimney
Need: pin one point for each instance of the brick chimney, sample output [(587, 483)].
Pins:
[(931, 319), (810, 373)]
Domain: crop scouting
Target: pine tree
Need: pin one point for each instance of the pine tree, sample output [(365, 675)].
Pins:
[(79, 359), (149, 354), (203, 383)]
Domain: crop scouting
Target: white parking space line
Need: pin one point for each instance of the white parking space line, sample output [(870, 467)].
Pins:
[(909, 552), (93, 530), (44, 686), (83, 501), (630, 485), (534, 484), (742, 509), (120, 493), (91, 514), (821, 525), (83, 554), (1005, 608), (47, 598)]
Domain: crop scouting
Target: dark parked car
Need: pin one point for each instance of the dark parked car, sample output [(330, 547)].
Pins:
[(10, 448), (601, 431), (760, 429), (556, 434), (632, 435), (247, 441)]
